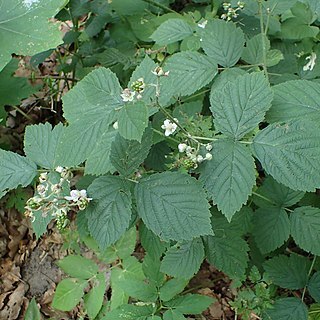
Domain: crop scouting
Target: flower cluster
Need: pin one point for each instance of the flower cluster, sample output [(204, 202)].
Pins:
[(137, 87), (50, 198), (231, 12), (169, 127), (193, 156)]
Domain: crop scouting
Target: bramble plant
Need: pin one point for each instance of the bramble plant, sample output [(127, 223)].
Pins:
[(198, 131)]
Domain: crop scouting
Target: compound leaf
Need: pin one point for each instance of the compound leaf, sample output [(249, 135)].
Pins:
[(241, 105), (25, 26), (290, 153), (314, 285), (40, 144), (173, 206), (89, 108), (271, 228), (15, 170), (222, 41), (130, 312), (110, 212), (171, 31), (288, 272), (183, 260), (229, 176), (305, 228)]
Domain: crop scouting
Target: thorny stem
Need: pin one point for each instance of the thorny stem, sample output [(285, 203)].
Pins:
[(309, 273), (264, 33), (162, 134), (23, 113), (159, 5)]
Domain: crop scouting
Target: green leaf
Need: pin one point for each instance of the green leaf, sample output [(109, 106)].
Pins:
[(190, 303), (171, 31), (290, 153), (305, 228), (78, 267), (183, 260), (130, 312), (314, 286), (89, 108), (110, 212), (314, 312), (68, 294), (295, 29), (228, 254), (142, 290), (93, 300), (295, 100), (287, 309), (13, 89), (33, 312), (40, 144), (274, 194), (288, 272), (15, 170), (151, 269), (132, 120), (172, 287), (173, 315), (253, 53), (189, 72), (151, 242), (173, 206), (240, 224), (98, 162), (127, 155), (241, 105), (118, 296), (21, 33), (271, 228), (222, 41), (229, 176)]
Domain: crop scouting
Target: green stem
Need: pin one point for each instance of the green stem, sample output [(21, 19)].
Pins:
[(205, 138), (309, 273), (159, 5), (23, 113), (264, 46), (196, 95), (269, 200), (162, 134)]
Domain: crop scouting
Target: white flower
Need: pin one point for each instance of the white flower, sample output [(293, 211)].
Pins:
[(208, 156), (209, 147), (169, 127), (43, 177), (182, 147), (158, 71), (76, 195), (59, 169), (116, 125), (203, 24), (127, 95), (312, 62), (200, 158)]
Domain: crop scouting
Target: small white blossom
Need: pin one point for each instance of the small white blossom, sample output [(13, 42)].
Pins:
[(203, 24), (209, 147), (42, 189), (116, 125), (312, 62), (43, 177), (208, 156), (182, 147), (200, 158), (75, 195), (169, 127), (127, 95), (158, 71), (59, 169)]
